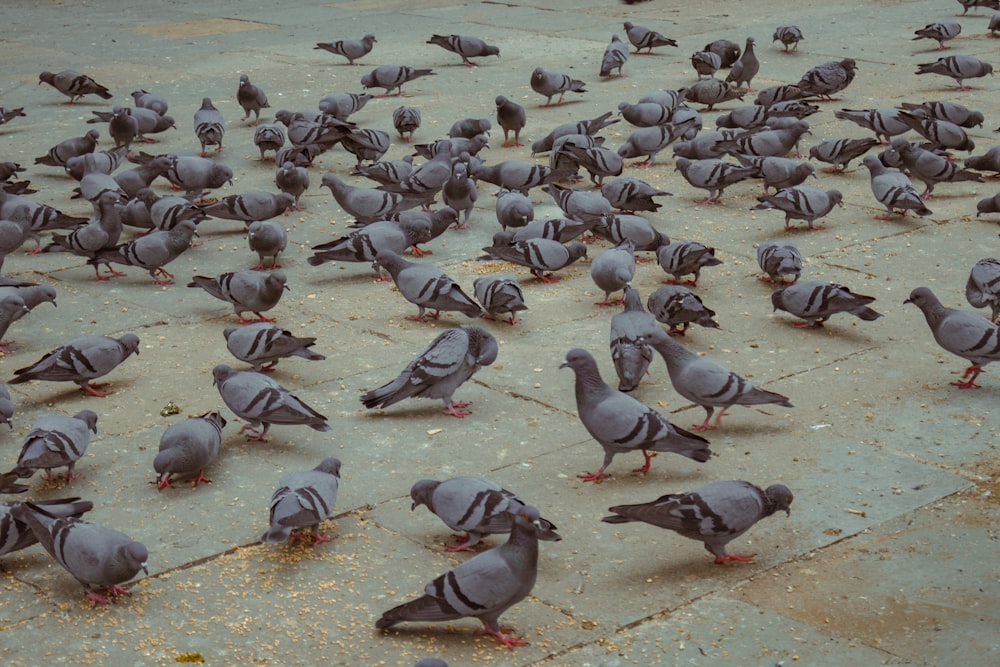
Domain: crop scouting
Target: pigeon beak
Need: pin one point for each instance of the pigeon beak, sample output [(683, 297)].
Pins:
[(413, 505), (564, 364), (907, 301), (144, 569)]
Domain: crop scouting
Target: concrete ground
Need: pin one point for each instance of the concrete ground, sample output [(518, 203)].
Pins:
[(889, 554)]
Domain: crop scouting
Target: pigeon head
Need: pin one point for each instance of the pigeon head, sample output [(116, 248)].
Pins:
[(136, 556), (221, 373), (779, 497), (329, 465), (421, 493), (89, 417)]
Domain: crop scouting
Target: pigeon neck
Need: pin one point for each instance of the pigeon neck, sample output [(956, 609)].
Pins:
[(522, 546)]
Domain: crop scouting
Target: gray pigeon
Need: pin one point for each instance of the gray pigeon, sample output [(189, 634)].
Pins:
[(209, 126), (302, 500), (392, 77), (711, 174), (678, 307), (53, 442), (893, 190), (549, 84), (968, 4), (686, 257), (81, 360), (187, 447), (940, 134), (779, 258), (246, 290), (649, 141), (366, 144), (426, 286), (630, 352), (69, 148), (789, 36), (613, 270), (884, 122), (828, 79), (194, 174), (517, 175), (617, 227), (644, 38), (475, 505), (511, 117), (983, 286), (406, 120), (953, 112), (561, 230), (816, 301), (365, 204), (780, 93), (318, 131), (250, 206), (590, 207), (599, 161), (615, 57), (74, 85), (439, 370), (632, 194), (352, 49), (499, 295), (710, 385), (801, 202), (142, 176), (6, 408), (364, 244), (386, 171), (988, 205), (621, 424), (746, 68), (715, 513), (98, 557), (706, 63), (40, 217), (15, 534), (268, 137), (465, 46), (589, 127), (342, 105), (959, 67), (988, 161), (152, 251), (144, 99), (778, 172), (261, 401), (964, 334), (713, 91), (267, 238), (939, 31), (460, 192), (513, 209), (840, 152), (12, 308), (929, 167), (777, 142), (263, 345), (727, 50), (469, 127), (542, 256), (645, 114), (251, 98), (292, 180), (483, 587), (426, 181)]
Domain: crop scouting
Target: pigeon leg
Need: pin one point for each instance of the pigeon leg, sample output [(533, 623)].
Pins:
[(419, 252), (262, 318), (548, 278), (506, 640), (455, 409), (718, 417), (972, 372), (200, 478), (728, 558), (253, 434), (49, 476), (677, 331), (259, 267), (163, 482), (808, 325), (593, 476), (94, 389), (709, 410), (645, 466), (465, 545), (98, 599), (513, 319), (168, 280), (7, 346)]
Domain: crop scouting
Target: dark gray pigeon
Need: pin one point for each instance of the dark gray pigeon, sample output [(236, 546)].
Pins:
[(715, 513), (988, 205), (74, 85), (511, 117), (209, 126), (678, 307), (982, 289), (261, 401), (710, 385), (939, 31), (513, 209), (476, 506), (706, 63), (613, 270), (711, 174), (188, 447), (7, 115), (352, 49), (686, 257), (828, 79), (302, 500), (268, 137), (988, 161), (779, 258), (893, 190), (840, 152), (267, 238), (439, 370), (365, 204), (53, 442), (727, 50), (789, 36), (263, 345), (392, 77), (81, 360), (406, 120), (250, 206), (251, 290), (427, 287), (98, 557), (621, 424), (69, 148), (964, 334), (746, 68), (713, 91), (968, 4), (884, 122), (816, 301), (542, 256), (465, 46), (959, 67), (778, 172), (252, 98), (644, 38), (144, 99), (549, 84), (15, 534), (630, 352), (615, 57), (152, 251), (6, 410), (364, 244), (929, 167), (12, 308), (469, 127), (953, 112), (632, 194), (499, 295), (801, 202), (292, 180)]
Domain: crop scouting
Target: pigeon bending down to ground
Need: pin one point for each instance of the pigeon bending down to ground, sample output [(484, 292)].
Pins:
[(16, 534), (250, 206), (778, 172), (352, 49), (209, 126), (940, 134), (392, 77), (828, 79), (406, 120), (439, 370), (511, 117), (483, 587), (365, 204), (465, 46), (613, 270), (268, 137), (302, 500), (929, 167), (715, 513), (260, 400), (542, 256), (621, 424), (267, 238), (959, 67), (710, 385), (144, 99), (983, 286), (686, 257), (964, 334), (952, 112), (187, 448), (549, 84), (58, 155), (427, 287), (618, 227), (678, 307), (789, 36), (884, 122), (498, 295), (940, 31), (245, 290), (12, 308), (74, 85), (81, 360), (801, 202), (777, 259), (816, 302), (712, 91), (840, 152), (364, 244), (615, 57), (513, 209), (475, 505), (894, 190), (712, 174), (705, 63), (53, 442), (251, 98), (644, 38), (152, 252), (630, 352), (988, 161), (98, 557), (263, 345)]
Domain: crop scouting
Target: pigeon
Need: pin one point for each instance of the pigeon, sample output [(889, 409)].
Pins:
[(469, 127), (302, 500), (188, 447), (816, 301), (549, 84), (711, 174), (209, 126), (828, 79), (644, 38), (15, 534), (475, 505), (365, 204), (143, 99), (778, 172), (713, 91), (267, 238), (539, 255), (775, 143), (268, 137), (7, 115), (352, 49), (621, 424), (727, 50), (191, 173), (706, 63), (930, 168), (708, 384), (483, 587), (74, 85), (97, 556), (250, 206), (292, 180), (683, 257), (518, 175), (317, 130), (69, 148), (840, 152), (406, 120), (940, 134), (561, 230), (649, 141), (959, 67), (715, 513), (964, 334), (426, 181), (465, 46), (12, 308), (789, 36), (613, 270), (15, 228), (126, 125), (995, 21), (342, 105), (632, 194), (499, 295), (392, 77), (261, 401), (678, 307), (884, 122), (967, 4), (645, 114), (983, 287), (589, 127), (801, 202), (988, 205), (599, 161), (131, 181), (511, 117), (427, 287), (81, 360), (263, 345), (251, 98), (939, 31), (513, 209), (364, 244), (894, 190), (55, 441), (630, 352), (779, 258), (40, 217), (386, 172), (167, 212), (953, 112), (460, 192), (746, 68), (618, 227), (6, 409), (615, 56), (152, 251), (366, 144), (246, 290)]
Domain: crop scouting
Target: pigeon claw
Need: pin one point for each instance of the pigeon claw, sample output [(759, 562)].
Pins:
[(972, 372), (94, 390), (728, 558), (502, 637), (593, 476)]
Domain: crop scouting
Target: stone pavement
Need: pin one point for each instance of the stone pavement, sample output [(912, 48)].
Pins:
[(889, 554)]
